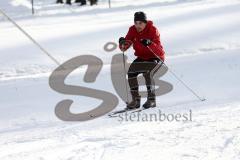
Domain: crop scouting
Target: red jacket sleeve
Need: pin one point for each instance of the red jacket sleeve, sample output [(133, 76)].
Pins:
[(129, 39), (156, 46)]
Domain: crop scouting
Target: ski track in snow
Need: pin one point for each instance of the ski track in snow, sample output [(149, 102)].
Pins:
[(211, 135)]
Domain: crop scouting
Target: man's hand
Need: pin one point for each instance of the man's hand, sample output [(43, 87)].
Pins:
[(122, 41), (146, 42)]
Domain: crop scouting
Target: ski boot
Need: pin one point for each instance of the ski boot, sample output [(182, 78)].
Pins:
[(151, 101), (135, 103)]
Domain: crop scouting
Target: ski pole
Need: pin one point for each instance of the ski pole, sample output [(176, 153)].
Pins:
[(125, 72), (183, 83), (29, 36)]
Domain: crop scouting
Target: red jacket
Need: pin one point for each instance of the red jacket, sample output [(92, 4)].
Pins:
[(150, 32)]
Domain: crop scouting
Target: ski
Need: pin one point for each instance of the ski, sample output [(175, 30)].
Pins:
[(116, 113), (130, 111), (142, 109)]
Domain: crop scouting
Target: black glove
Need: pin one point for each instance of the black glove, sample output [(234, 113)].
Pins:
[(122, 41), (146, 42)]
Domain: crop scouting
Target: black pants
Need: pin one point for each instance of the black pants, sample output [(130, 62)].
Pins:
[(146, 67), (84, 2)]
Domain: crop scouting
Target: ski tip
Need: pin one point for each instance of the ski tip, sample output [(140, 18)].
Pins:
[(111, 115)]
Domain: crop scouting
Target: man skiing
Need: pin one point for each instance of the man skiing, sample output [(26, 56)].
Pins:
[(145, 38)]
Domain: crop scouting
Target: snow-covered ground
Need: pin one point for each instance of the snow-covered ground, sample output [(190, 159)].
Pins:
[(201, 40)]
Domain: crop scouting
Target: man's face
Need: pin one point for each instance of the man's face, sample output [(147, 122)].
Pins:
[(140, 25)]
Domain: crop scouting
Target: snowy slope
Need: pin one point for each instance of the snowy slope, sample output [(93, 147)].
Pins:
[(201, 39)]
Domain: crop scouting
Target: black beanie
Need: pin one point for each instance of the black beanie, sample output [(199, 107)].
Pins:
[(140, 16)]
